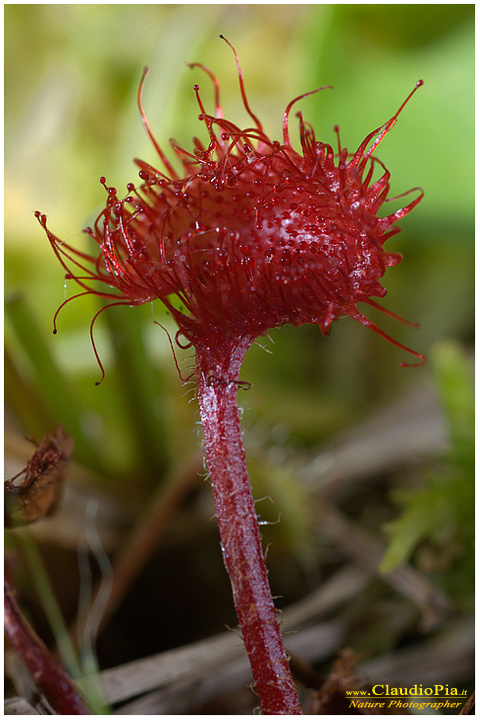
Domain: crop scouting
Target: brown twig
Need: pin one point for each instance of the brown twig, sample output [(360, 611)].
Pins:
[(142, 542), (367, 554)]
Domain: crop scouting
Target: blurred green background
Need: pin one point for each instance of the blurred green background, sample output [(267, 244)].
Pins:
[(72, 73)]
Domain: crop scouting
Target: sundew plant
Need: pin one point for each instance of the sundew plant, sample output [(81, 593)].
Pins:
[(250, 235), (277, 226)]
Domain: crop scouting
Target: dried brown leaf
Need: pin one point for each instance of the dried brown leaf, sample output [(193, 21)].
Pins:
[(35, 491), (332, 698)]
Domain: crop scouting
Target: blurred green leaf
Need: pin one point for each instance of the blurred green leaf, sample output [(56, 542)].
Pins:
[(58, 397), (141, 390), (443, 512), (454, 377)]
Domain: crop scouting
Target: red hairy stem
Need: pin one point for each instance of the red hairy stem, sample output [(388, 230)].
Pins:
[(217, 381), (49, 677)]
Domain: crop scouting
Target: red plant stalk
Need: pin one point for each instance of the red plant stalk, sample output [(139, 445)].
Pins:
[(251, 236), (239, 534), (49, 677)]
